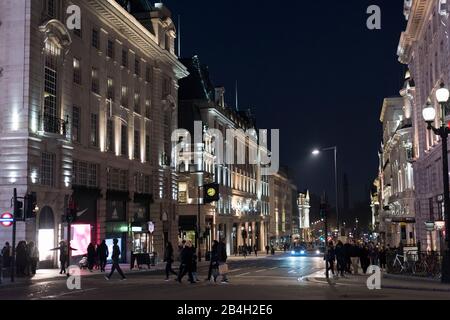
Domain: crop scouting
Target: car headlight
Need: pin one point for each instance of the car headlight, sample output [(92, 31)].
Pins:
[(317, 251), (292, 252), (302, 252)]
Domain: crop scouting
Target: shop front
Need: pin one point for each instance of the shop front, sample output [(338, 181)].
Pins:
[(187, 226), (117, 226), (141, 231), (83, 230)]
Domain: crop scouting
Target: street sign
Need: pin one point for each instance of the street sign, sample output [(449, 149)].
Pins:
[(6, 219), (151, 227)]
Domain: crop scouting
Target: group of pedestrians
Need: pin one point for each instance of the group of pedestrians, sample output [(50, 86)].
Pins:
[(97, 256), (349, 258), (27, 258), (188, 262), (246, 250)]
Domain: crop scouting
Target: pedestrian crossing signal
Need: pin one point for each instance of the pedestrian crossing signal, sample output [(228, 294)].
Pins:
[(211, 193)]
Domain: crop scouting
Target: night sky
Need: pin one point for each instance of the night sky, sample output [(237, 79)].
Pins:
[(309, 68)]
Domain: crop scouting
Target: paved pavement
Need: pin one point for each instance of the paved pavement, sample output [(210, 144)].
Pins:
[(265, 278)]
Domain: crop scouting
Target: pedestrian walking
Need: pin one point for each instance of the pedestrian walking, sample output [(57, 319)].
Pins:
[(355, 257), (341, 258), (330, 257), (214, 263), (267, 249), (222, 259), (91, 256), (186, 263), (115, 258), (194, 265), (364, 258), (383, 258), (22, 259), (63, 255), (169, 259), (6, 254), (348, 260), (102, 253), (255, 248), (33, 257)]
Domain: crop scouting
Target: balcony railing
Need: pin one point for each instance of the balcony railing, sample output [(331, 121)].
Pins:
[(55, 125)]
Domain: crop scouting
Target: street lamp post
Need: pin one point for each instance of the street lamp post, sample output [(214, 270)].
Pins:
[(429, 115), (335, 149)]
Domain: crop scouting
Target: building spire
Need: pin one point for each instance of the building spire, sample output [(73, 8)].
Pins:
[(237, 96), (179, 36)]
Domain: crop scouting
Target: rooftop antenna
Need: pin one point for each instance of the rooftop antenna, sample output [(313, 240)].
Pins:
[(179, 36), (237, 97)]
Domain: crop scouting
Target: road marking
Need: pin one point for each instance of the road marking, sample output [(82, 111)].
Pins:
[(273, 268), (242, 274), (65, 294), (292, 271), (261, 270), (234, 270)]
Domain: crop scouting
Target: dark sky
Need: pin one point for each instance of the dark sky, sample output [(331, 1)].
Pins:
[(309, 68)]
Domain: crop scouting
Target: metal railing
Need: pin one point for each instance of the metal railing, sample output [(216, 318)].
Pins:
[(423, 264), (52, 124)]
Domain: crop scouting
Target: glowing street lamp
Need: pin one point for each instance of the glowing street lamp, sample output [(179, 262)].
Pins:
[(429, 115)]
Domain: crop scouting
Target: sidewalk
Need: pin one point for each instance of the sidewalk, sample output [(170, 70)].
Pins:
[(388, 281), (43, 275)]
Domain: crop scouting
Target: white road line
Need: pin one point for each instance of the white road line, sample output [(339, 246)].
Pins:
[(261, 270), (234, 270), (273, 268), (242, 274), (292, 271)]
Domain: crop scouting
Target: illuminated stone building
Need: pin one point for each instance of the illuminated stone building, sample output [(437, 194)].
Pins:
[(87, 119)]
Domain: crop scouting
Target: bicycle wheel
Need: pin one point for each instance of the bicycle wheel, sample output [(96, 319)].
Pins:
[(396, 268), (420, 268)]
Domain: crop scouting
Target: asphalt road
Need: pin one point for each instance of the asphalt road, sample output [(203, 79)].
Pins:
[(274, 278)]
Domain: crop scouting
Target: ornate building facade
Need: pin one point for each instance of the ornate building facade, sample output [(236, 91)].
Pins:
[(87, 120), (241, 216), (425, 48)]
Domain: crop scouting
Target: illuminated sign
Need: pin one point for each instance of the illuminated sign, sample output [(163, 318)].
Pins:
[(81, 238), (46, 239), (7, 219)]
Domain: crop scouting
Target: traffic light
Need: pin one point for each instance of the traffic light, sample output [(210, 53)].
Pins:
[(211, 193), (18, 210), (323, 210), (71, 212), (30, 205)]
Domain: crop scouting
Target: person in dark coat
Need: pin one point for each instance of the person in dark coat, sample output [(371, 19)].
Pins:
[(341, 258), (169, 259), (348, 260), (91, 256), (214, 263), (22, 258), (6, 254), (255, 248), (383, 258), (186, 263), (330, 257), (222, 258), (115, 258), (364, 258), (63, 255), (102, 254), (267, 249)]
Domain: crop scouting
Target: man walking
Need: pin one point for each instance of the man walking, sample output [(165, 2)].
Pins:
[(103, 253), (186, 263), (115, 258), (169, 259)]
